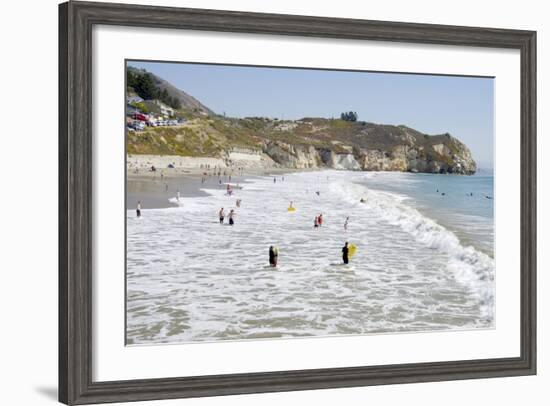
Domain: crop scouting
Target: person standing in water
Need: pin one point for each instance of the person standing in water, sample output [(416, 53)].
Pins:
[(345, 253), (320, 219), (138, 209), (231, 215), (221, 215), (346, 223), (316, 222), (273, 256), (178, 196)]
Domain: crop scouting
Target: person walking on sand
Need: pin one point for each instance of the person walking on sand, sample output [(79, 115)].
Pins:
[(346, 223), (138, 209), (231, 215), (345, 253), (221, 215)]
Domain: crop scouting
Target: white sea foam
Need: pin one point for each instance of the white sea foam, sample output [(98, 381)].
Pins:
[(189, 278)]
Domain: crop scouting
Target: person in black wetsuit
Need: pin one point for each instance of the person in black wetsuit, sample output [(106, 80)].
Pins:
[(273, 256), (345, 253)]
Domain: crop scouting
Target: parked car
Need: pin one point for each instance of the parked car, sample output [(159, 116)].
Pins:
[(138, 125), (140, 116)]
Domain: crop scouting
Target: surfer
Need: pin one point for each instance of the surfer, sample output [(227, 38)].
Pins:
[(290, 207), (138, 209), (221, 215), (345, 253), (346, 223), (231, 215)]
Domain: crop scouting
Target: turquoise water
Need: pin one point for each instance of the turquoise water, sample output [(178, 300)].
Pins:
[(462, 204)]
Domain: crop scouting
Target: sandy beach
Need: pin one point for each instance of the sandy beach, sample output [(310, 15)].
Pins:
[(188, 176)]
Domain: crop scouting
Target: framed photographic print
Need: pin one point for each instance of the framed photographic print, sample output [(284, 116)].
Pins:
[(258, 202)]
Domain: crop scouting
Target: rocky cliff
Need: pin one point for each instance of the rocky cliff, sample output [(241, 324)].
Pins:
[(371, 147)]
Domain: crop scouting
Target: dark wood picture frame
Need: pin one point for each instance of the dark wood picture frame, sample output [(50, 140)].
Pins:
[(76, 20)]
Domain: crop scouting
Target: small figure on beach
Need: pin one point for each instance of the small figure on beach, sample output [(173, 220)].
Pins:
[(231, 216), (229, 190), (320, 219), (166, 187), (346, 223), (138, 209), (274, 180), (363, 200), (153, 169), (178, 196), (238, 202), (345, 253), (219, 183), (316, 222), (273, 256), (221, 215)]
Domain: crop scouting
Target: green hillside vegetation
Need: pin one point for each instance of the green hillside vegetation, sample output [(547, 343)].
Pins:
[(212, 136)]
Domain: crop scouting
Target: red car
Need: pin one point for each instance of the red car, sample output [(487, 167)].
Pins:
[(140, 117)]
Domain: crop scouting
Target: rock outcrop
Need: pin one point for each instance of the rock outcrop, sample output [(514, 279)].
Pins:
[(448, 156)]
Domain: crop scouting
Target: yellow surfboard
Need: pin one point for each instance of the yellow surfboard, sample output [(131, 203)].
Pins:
[(352, 250), (291, 209)]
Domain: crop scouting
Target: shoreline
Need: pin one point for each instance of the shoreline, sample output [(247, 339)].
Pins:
[(154, 189)]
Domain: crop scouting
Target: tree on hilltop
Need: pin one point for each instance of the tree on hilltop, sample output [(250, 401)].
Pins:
[(349, 116)]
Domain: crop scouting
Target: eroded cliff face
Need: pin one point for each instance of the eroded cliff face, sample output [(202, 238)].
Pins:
[(445, 157)]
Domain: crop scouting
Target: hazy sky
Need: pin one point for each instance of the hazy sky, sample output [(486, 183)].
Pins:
[(461, 106)]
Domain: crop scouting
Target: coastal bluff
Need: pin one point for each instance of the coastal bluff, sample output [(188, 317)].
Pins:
[(305, 144)]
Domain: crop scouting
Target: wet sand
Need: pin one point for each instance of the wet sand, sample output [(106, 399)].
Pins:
[(154, 190)]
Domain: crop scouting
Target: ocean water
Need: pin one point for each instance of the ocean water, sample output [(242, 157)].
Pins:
[(424, 260)]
